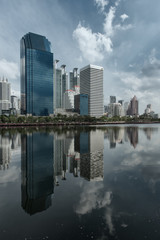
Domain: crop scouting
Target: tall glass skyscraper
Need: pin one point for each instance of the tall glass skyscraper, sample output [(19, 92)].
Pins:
[(36, 61)]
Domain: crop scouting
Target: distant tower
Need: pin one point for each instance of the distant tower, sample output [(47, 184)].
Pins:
[(36, 75), (91, 83), (112, 99), (64, 82), (133, 107), (5, 94)]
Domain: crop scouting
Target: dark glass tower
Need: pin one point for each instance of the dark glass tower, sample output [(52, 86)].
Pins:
[(36, 62)]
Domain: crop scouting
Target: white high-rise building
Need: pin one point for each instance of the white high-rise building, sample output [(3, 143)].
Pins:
[(115, 109), (69, 98), (15, 102), (5, 94), (91, 83)]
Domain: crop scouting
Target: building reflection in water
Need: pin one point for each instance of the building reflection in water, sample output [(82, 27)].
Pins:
[(47, 157), (149, 131), (5, 151), (37, 171), (9, 145), (122, 134), (79, 154), (91, 146), (133, 135)]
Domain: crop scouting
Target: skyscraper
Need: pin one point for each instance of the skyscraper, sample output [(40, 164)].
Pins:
[(91, 83), (5, 95), (64, 83), (36, 61), (133, 107), (74, 78)]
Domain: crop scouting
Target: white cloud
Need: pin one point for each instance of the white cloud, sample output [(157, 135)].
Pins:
[(117, 3), (130, 80), (91, 198), (108, 23), (92, 45), (8, 69), (124, 17), (101, 4), (109, 222), (123, 27)]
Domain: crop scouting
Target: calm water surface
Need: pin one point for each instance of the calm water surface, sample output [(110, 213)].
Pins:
[(84, 183)]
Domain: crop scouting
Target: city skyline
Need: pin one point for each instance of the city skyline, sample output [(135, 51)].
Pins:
[(121, 36)]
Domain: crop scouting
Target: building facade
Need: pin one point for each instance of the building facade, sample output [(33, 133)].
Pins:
[(5, 95), (74, 78), (91, 83), (36, 65), (133, 107), (81, 104)]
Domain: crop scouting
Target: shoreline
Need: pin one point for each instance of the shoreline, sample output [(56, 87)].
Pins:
[(10, 125)]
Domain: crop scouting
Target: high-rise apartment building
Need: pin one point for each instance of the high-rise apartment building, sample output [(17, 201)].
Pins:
[(91, 83), (5, 94), (36, 60)]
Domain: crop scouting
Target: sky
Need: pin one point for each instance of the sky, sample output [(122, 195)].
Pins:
[(122, 36)]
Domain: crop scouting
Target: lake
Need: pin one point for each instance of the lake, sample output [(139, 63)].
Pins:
[(99, 183)]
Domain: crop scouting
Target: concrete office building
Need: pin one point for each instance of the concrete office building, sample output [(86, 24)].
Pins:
[(91, 83), (36, 65), (5, 95)]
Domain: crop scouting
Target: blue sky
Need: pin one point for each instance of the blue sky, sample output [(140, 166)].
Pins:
[(123, 36)]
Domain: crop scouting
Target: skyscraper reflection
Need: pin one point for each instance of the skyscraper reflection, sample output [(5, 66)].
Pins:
[(5, 151), (122, 134), (91, 155), (37, 171), (133, 135)]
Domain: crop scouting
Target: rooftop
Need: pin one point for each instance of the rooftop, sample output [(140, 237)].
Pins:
[(92, 66)]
